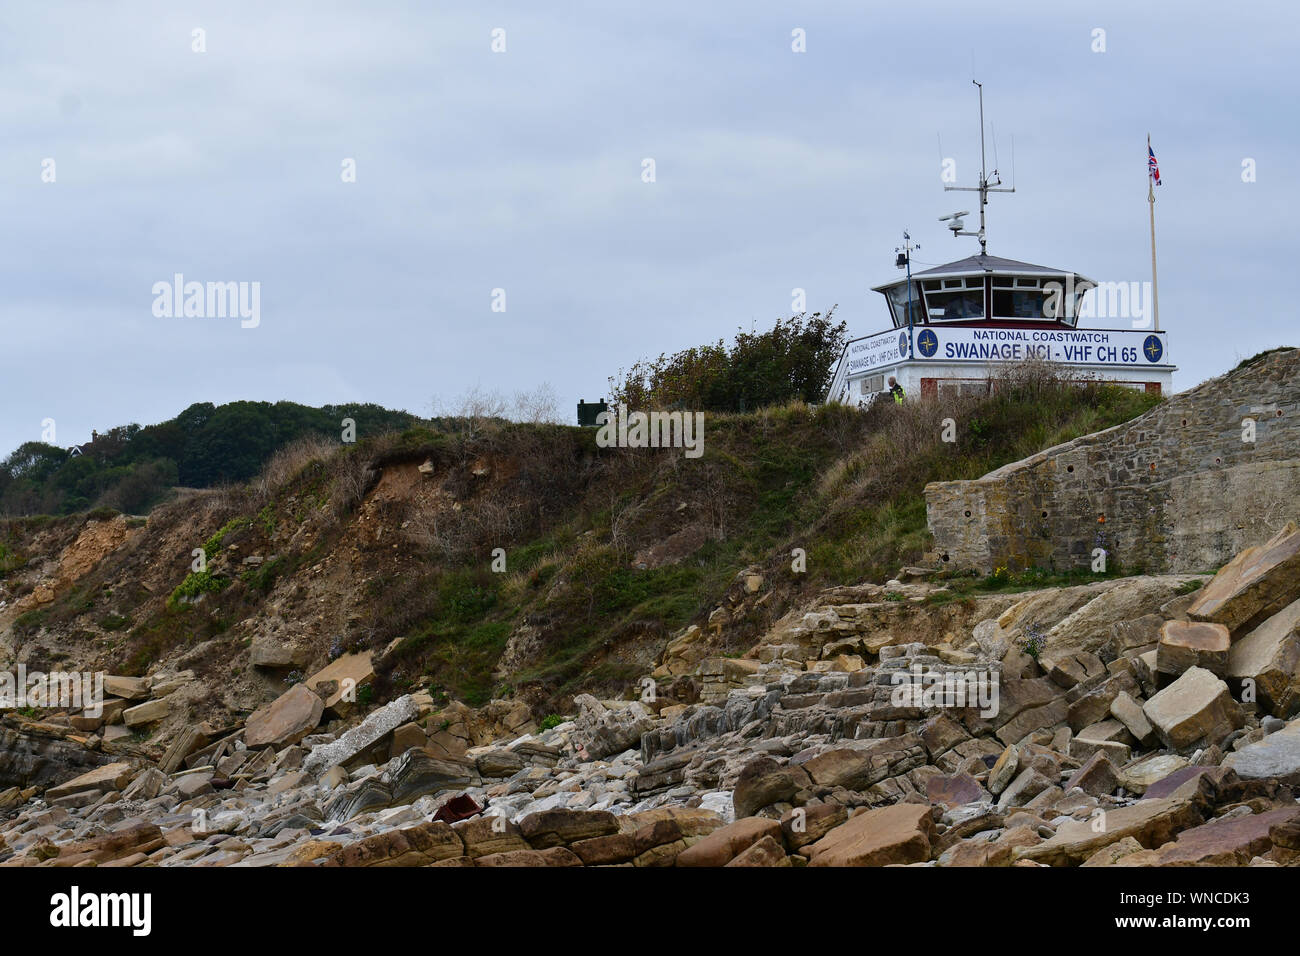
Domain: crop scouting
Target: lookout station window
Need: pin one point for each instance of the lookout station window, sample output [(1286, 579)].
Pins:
[(898, 304), (1015, 298), (949, 299)]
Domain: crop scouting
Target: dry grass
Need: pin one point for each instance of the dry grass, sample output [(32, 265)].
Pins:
[(287, 463)]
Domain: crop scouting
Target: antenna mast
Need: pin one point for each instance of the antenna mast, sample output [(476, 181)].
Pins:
[(985, 187)]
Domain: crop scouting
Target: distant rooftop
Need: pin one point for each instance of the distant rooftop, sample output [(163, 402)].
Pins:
[(985, 264), (989, 264)]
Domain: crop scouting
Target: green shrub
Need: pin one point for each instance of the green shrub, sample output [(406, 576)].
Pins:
[(195, 584)]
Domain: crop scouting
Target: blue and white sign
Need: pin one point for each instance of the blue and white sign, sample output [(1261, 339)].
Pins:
[(1153, 348), (1091, 347), (876, 351), (927, 343)]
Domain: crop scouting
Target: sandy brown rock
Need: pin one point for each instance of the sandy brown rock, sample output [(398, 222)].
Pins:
[(897, 834), (286, 720), (726, 843)]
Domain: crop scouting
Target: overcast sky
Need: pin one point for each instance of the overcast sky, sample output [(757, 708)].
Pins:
[(522, 171)]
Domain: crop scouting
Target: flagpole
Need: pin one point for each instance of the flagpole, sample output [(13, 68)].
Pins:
[(1151, 203)]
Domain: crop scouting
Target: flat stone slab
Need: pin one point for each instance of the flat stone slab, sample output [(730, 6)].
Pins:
[(146, 713), (1270, 656), (1128, 711), (112, 776), (954, 791), (380, 722), (897, 834), (1151, 823), (1170, 782), (1096, 777), (286, 720), (1277, 755), (1225, 842), (726, 843), (129, 688), (1257, 583)]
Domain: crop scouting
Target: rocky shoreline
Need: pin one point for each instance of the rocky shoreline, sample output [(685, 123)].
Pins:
[(1139, 721)]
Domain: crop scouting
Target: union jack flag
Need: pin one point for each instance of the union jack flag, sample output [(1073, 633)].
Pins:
[(1152, 168)]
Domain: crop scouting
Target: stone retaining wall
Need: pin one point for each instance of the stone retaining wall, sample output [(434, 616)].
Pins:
[(1176, 489)]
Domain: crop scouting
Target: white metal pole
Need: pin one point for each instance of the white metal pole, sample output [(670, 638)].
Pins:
[(1151, 203)]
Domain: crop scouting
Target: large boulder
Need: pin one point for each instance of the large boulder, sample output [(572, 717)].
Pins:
[(1185, 644), (416, 773), (338, 682), (726, 843), (286, 720), (602, 730), (560, 826), (128, 688), (1151, 823), (113, 776), (1128, 711), (1277, 756), (374, 728), (1091, 626), (766, 852), (897, 834), (1254, 585), (763, 782), (1196, 708), (1270, 656), (151, 711), (420, 845), (1227, 841)]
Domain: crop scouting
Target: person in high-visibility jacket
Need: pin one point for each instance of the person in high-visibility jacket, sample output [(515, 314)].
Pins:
[(896, 390)]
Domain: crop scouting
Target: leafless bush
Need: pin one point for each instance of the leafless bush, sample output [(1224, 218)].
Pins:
[(541, 405), (481, 408), (1036, 376)]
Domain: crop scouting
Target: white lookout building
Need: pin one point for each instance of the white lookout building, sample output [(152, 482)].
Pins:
[(956, 326), (971, 317)]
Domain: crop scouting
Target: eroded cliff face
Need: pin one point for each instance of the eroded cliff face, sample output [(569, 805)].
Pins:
[(387, 560), (1182, 487)]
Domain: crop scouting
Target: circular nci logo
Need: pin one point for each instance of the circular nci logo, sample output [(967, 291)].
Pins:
[(902, 344), (927, 343), (1153, 348)]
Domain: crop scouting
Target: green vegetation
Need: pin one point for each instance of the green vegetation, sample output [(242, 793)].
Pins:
[(1259, 356), (607, 550), (212, 547), (794, 361), (130, 468), (9, 560), (1034, 640), (195, 584)]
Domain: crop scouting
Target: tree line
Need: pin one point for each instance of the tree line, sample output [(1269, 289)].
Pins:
[(132, 467)]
